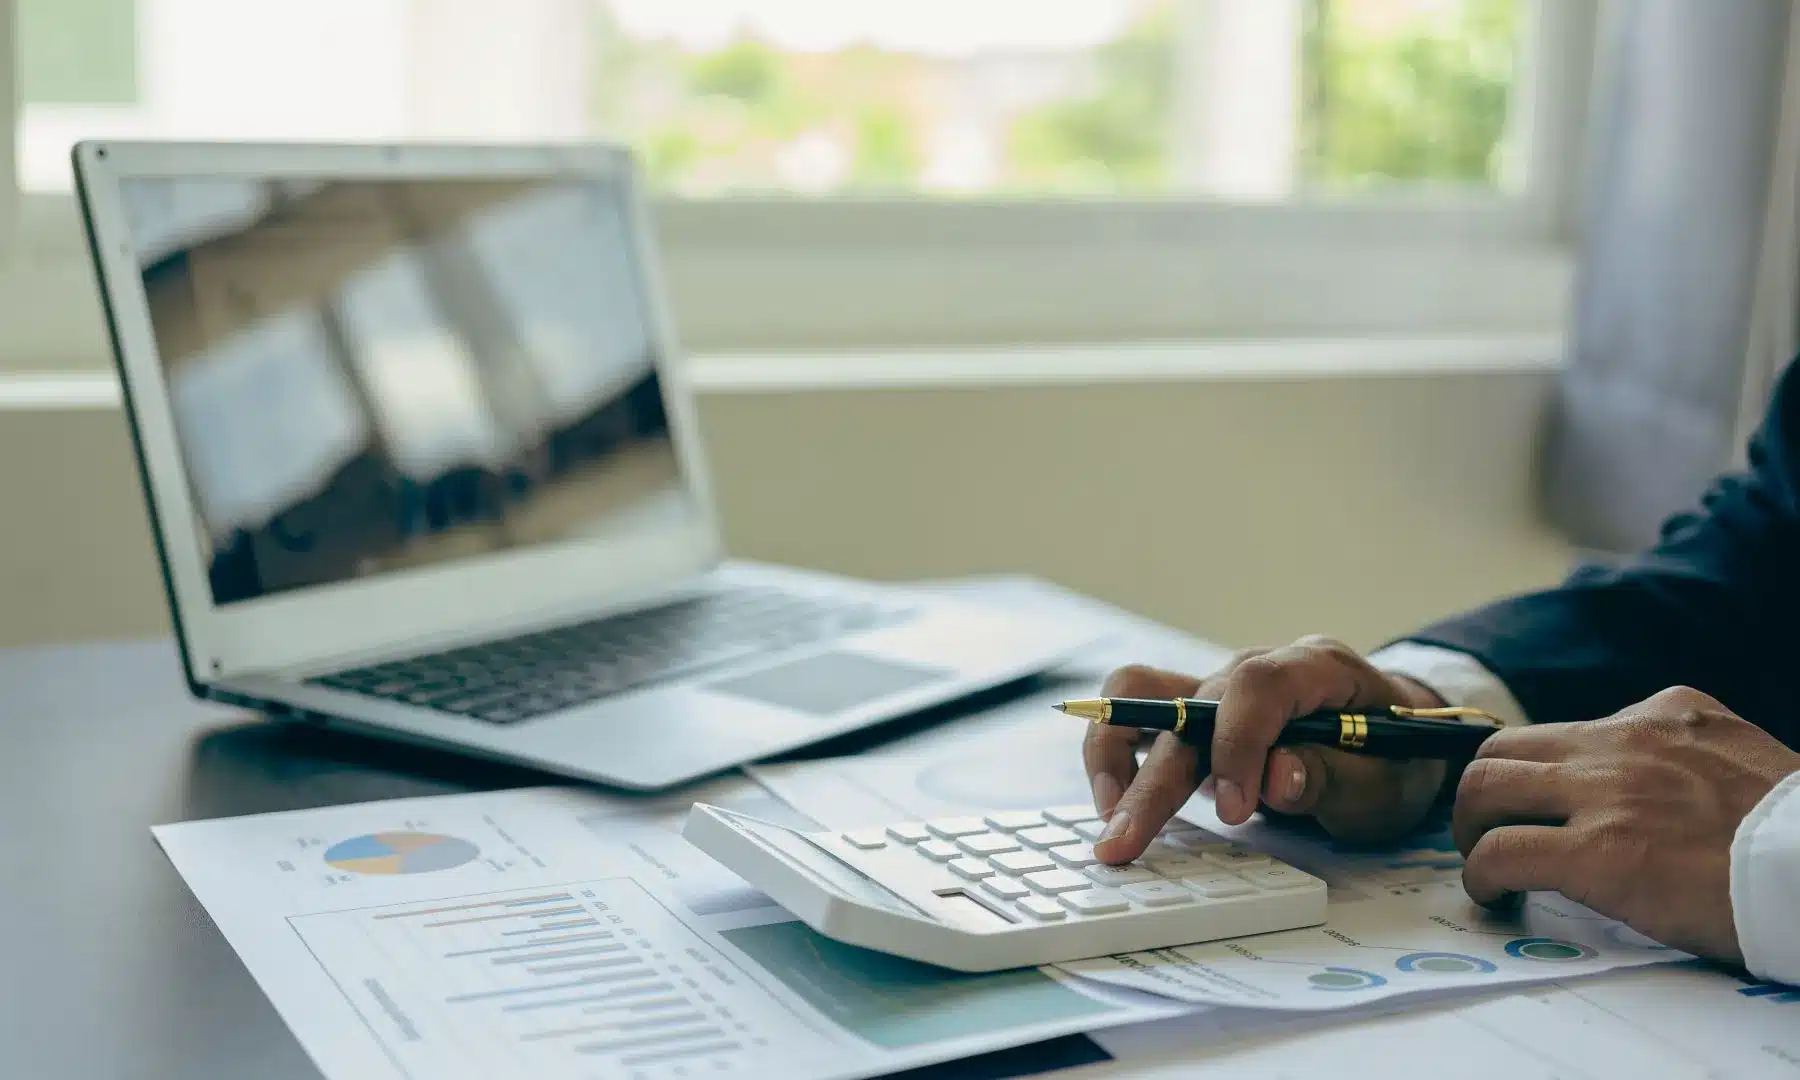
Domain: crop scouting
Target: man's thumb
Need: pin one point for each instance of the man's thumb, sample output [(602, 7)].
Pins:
[(1296, 780)]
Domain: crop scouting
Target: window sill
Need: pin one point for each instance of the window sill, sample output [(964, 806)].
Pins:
[(1250, 360), (996, 368)]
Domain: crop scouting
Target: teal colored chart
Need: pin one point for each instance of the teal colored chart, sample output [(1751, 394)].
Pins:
[(1549, 950), (1343, 980), (1445, 963), (898, 1003)]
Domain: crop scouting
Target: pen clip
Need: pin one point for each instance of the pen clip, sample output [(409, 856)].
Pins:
[(1460, 712)]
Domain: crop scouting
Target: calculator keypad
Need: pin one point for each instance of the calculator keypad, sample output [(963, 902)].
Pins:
[(971, 869), (1023, 862), (938, 850), (988, 844), (1047, 836), (1042, 864)]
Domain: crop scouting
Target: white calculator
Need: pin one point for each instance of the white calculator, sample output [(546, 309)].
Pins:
[(1009, 889)]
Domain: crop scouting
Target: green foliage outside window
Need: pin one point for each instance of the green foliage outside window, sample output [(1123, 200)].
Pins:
[(1393, 92)]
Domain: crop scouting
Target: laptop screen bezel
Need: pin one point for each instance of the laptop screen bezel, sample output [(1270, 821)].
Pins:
[(323, 627)]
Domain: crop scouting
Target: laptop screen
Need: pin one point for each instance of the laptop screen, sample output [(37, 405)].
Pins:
[(374, 375)]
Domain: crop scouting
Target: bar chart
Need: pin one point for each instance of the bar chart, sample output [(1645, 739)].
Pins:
[(595, 979)]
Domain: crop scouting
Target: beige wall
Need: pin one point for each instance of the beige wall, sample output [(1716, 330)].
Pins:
[(1249, 511)]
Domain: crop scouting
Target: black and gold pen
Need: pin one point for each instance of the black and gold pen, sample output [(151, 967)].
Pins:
[(1387, 731)]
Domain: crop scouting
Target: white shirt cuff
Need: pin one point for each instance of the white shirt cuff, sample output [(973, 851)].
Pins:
[(1457, 677), (1765, 885)]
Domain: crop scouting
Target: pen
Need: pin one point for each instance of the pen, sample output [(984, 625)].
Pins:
[(1387, 731)]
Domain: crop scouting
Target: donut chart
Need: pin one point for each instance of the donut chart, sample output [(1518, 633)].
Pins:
[(1548, 950), (389, 853), (1344, 980), (1445, 963)]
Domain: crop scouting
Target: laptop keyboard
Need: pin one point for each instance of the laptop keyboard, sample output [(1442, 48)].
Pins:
[(505, 682)]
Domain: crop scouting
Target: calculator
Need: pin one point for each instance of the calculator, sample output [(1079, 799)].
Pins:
[(1013, 888)]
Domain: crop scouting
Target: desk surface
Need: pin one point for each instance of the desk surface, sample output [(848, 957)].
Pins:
[(111, 967)]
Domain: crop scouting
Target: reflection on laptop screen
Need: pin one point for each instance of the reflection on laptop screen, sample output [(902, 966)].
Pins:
[(375, 375)]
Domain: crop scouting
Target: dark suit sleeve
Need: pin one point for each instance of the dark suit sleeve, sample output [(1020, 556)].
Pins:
[(1714, 605)]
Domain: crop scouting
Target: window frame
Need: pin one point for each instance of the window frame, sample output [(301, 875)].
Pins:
[(860, 272)]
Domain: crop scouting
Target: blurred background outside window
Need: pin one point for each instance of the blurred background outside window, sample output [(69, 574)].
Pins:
[(1245, 100)]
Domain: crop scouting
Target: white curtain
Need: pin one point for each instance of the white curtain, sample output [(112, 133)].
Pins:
[(1774, 338), (1683, 275)]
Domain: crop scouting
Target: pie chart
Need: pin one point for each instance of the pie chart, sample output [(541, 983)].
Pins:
[(400, 853)]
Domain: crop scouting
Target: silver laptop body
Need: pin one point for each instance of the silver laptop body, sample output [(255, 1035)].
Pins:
[(420, 461)]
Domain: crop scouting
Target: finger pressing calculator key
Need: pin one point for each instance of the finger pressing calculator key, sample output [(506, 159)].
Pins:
[(1010, 888)]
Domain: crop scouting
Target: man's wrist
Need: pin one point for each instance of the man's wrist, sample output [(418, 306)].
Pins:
[(1452, 678)]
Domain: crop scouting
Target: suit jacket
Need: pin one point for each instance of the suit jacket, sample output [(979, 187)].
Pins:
[(1715, 605)]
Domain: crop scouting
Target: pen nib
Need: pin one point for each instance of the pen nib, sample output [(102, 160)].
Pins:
[(1098, 711), (1061, 707)]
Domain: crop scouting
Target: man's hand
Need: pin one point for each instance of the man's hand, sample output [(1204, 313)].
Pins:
[(1632, 816), (1353, 797)]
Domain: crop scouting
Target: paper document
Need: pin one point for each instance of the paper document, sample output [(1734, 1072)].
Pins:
[(1400, 922), (1678, 1022), (559, 933)]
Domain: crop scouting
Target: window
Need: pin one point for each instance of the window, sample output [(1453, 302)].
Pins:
[(1231, 98), (853, 146), (1247, 99), (78, 71)]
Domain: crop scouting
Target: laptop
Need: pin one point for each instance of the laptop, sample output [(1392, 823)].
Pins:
[(421, 461)]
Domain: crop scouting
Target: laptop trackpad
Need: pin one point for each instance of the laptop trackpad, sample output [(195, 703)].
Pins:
[(828, 683)]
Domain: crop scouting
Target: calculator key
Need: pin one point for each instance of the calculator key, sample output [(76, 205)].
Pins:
[(970, 869), (1070, 815), (987, 844), (1023, 862), (1005, 888), (1278, 877), (1042, 908), (1180, 866), (1158, 893), (1237, 858), (1095, 901), (939, 850), (867, 839), (1197, 842), (1014, 820), (1129, 874), (1047, 836), (1052, 882), (1219, 887), (951, 828), (1089, 830), (1074, 856), (909, 833)]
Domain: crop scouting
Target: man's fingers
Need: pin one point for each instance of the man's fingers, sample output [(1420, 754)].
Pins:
[(1296, 779), (1354, 797), (1496, 792), (1518, 859), (1262, 694), (1167, 780), (1110, 753), (1138, 681)]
